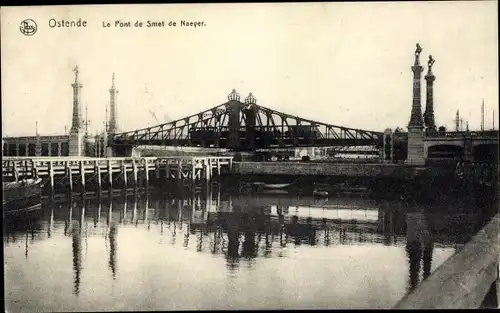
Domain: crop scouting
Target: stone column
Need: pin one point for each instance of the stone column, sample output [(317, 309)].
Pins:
[(113, 116), (416, 125), (76, 134), (17, 149), (429, 108), (59, 149)]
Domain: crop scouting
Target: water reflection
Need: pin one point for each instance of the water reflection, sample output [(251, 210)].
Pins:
[(419, 246), (77, 256), (246, 230), (112, 249)]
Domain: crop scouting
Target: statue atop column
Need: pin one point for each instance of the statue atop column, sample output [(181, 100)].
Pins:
[(76, 70), (430, 63), (418, 50)]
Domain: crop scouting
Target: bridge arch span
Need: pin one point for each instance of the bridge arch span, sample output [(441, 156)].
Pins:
[(445, 151), (485, 152)]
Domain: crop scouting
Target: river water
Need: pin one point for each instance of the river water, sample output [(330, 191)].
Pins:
[(211, 250)]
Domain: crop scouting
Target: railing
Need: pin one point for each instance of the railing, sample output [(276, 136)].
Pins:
[(463, 134)]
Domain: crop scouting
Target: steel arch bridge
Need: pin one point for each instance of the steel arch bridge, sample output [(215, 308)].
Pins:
[(246, 126)]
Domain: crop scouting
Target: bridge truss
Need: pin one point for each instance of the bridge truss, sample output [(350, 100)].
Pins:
[(247, 126)]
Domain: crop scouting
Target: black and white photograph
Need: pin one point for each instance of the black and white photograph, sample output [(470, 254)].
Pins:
[(250, 156)]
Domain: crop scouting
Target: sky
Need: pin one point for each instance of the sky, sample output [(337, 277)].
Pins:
[(345, 64)]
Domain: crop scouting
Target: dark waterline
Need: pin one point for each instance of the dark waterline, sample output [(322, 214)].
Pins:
[(213, 250)]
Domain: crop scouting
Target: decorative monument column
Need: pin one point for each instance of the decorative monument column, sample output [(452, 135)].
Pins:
[(113, 116), (416, 125), (77, 132), (429, 107)]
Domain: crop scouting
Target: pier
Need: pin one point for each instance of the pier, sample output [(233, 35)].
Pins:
[(103, 173)]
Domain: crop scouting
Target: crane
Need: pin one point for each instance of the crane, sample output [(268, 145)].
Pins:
[(150, 96), (154, 116), (459, 122)]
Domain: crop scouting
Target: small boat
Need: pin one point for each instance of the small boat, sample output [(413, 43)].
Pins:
[(275, 192), (354, 189), (262, 185), (22, 196), (320, 193), (275, 186)]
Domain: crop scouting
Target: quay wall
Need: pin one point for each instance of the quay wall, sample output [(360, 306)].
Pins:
[(400, 171), (464, 280)]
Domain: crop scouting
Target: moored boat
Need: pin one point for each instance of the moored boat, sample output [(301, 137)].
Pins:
[(22, 196), (320, 193), (262, 185), (275, 186)]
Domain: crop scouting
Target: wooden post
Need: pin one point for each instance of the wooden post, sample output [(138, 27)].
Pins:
[(157, 168), (16, 171), (34, 169), (218, 166), (146, 172), (98, 172), (207, 169), (82, 174), (51, 175), (110, 175), (124, 170), (134, 167), (70, 176), (26, 168), (193, 169), (179, 169)]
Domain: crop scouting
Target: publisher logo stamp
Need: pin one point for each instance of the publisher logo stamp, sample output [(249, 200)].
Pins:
[(28, 27)]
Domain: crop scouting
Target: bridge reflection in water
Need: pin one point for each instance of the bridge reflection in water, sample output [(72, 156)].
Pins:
[(342, 252)]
